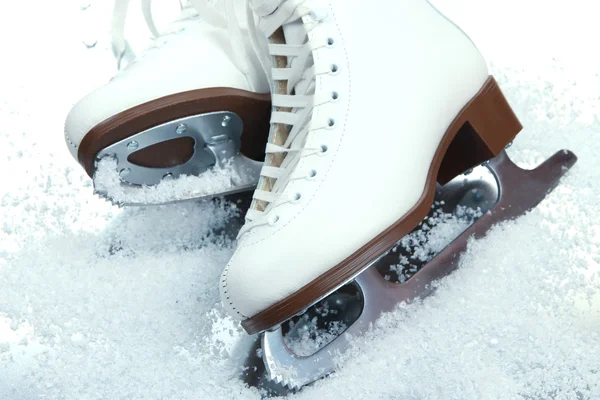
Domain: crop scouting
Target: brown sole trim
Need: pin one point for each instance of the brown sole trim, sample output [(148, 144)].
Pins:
[(480, 132), (254, 109)]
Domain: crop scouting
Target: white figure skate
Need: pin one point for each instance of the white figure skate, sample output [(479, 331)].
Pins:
[(354, 154), (195, 104)]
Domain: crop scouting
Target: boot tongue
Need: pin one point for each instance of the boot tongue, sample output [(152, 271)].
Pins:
[(262, 8), (294, 33)]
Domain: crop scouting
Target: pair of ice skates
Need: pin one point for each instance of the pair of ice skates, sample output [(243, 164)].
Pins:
[(345, 118)]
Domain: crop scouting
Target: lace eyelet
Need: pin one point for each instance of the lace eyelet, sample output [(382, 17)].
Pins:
[(311, 174), (297, 197), (324, 150), (335, 96), (330, 123), (273, 220), (330, 42), (334, 69)]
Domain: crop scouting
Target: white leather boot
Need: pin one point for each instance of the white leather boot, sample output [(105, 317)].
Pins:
[(375, 102), (191, 102)]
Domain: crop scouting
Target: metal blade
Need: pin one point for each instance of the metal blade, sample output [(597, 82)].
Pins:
[(518, 191), (217, 141)]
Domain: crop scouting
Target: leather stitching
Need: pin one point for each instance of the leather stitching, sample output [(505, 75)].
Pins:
[(69, 141), (224, 285)]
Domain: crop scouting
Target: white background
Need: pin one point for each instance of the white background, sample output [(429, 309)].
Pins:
[(102, 303)]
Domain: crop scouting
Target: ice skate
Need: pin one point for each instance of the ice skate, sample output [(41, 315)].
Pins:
[(354, 154), (470, 205), (190, 113)]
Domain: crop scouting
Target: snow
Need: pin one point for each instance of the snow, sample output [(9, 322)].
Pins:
[(434, 235), (218, 179), (98, 302), (311, 337)]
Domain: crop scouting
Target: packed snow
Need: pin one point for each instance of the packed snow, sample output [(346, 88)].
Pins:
[(226, 178), (99, 302)]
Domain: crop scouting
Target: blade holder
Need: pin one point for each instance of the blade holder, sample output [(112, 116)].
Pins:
[(217, 138)]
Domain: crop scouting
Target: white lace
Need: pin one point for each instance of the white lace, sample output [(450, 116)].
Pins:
[(293, 108), (123, 52)]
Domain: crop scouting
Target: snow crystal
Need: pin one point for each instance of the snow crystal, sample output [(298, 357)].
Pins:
[(98, 302), (436, 231), (311, 337), (215, 180)]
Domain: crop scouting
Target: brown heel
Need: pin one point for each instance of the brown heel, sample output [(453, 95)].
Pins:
[(483, 129)]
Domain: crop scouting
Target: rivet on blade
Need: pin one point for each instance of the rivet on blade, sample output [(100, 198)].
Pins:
[(168, 177), (181, 129), (124, 172), (226, 120), (133, 145)]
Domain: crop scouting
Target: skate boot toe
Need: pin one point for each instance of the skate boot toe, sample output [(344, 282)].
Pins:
[(248, 284), (161, 118), (257, 277)]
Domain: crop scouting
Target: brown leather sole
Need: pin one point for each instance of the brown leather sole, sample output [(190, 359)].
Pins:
[(484, 127), (254, 109)]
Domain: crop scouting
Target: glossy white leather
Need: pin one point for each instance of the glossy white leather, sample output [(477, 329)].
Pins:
[(405, 72), (196, 57)]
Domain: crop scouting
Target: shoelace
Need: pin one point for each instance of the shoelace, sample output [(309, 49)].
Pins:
[(121, 49), (294, 100)]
